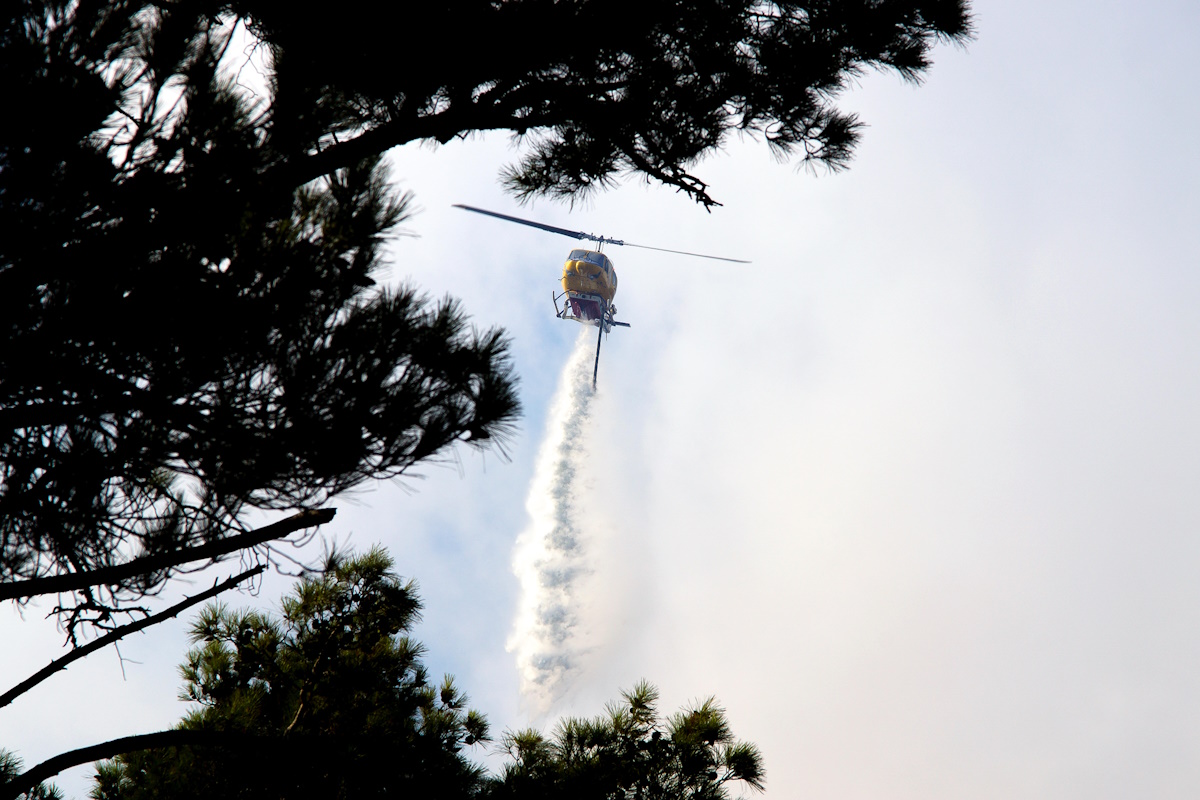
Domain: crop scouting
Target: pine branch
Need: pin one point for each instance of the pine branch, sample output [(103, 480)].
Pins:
[(74, 581), (442, 127), (96, 752), (80, 652)]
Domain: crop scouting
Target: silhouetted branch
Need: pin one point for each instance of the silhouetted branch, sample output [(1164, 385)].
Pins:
[(439, 127), (115, 747), (74, 581), (80, 652)]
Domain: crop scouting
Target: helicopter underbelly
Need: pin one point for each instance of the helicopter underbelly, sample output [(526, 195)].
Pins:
[(585, 309)]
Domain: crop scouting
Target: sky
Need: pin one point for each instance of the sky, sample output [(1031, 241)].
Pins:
[(912, 495)]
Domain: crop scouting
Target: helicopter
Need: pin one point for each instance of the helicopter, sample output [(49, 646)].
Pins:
[(589, 280)]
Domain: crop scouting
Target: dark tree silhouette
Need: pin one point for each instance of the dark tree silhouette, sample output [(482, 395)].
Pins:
[(598, 88), (183, 339), (10, 769), (191, 334), (631, 752), (332, 701), (190, 324)]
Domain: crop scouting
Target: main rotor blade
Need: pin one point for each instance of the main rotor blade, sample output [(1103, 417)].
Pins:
[(590, 237), (683, 252), (573, 234)]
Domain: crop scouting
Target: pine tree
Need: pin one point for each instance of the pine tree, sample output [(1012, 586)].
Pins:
[(10, 768), (177, 352), (191, 331), (331, 700), (190, 324), (630, 753)]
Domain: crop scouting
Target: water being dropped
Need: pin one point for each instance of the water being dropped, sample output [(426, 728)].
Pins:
[(549, 559)]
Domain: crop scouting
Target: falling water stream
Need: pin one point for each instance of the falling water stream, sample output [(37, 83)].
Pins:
[(549, 559)]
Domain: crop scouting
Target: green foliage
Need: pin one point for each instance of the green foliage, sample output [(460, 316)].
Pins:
[(188, 320), (10, 767), (631, 754), (181, 337), (597, 89), (190, 327), (329, 700)]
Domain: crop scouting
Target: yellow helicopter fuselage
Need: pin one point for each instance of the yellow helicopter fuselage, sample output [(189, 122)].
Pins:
[(589, 272)]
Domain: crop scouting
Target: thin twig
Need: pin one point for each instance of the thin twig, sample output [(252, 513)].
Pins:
[(79, 652)]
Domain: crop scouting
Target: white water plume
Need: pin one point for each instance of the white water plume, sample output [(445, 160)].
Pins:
[(549, 559)]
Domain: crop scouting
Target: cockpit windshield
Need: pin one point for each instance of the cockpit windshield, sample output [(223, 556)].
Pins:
[(592, 257)]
